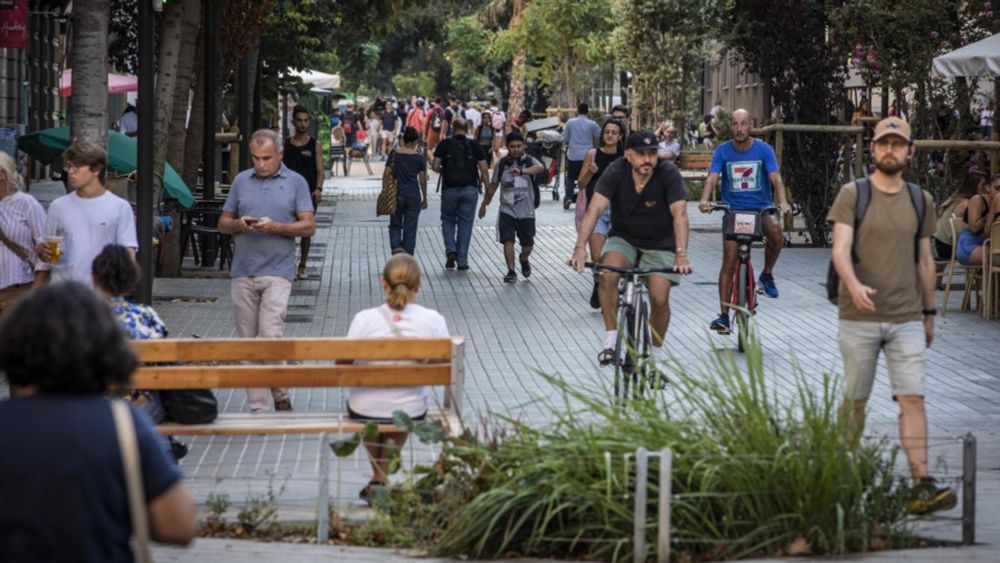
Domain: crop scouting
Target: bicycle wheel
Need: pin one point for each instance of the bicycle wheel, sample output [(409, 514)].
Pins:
[(742, 301)]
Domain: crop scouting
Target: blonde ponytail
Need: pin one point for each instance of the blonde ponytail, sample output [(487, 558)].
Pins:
[(402, 278)]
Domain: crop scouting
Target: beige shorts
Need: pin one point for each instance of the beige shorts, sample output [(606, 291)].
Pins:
[(904, 345)]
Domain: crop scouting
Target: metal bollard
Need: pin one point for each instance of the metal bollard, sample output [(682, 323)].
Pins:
[(641, 473), (969, 489), (323, 498), (663, 510)]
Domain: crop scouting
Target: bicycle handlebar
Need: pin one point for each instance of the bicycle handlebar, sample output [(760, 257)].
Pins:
[(631, 271), (723, 206)]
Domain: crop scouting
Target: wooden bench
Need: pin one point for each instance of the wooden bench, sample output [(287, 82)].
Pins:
[(245, 363), (694, 166), (318, 363)]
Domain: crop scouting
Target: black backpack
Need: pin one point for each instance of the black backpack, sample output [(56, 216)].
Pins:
[(437, 119), (860, 207), (460, 165), (536, 191)]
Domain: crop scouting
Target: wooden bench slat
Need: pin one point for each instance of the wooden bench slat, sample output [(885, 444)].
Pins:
[(345, 375), (249, 424), (699, 161), (252, 349)]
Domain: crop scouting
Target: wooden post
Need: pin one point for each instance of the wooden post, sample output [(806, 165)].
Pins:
[(788, 220), (859, 150)]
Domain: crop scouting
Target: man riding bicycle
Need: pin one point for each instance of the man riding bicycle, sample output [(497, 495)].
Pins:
[(649, 228), (749, 171)]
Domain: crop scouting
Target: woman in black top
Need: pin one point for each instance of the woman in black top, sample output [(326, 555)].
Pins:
[(410, 169), (594, 164)]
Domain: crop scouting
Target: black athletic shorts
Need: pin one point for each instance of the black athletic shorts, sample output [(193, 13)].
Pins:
[(523, 228)]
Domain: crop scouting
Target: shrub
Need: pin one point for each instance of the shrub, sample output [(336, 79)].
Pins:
[(754, 473)]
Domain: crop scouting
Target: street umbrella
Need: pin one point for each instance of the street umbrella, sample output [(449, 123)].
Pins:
[(47, 144)]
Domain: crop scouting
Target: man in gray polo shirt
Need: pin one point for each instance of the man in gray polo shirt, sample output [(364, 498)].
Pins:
[(267, 208), (580, 134)]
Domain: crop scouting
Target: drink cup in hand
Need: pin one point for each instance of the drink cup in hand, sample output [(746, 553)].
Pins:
[(53, 246)]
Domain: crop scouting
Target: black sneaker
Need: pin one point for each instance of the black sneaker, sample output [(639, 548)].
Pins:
[(511, 277), (177, 448), (595, 301), (464, 268), (927, 497), (525, 269), (452, 257)]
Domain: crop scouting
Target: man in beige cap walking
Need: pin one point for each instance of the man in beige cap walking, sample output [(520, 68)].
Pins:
[(882, 253)]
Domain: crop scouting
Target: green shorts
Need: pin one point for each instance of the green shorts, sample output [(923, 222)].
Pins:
[(650, 258)]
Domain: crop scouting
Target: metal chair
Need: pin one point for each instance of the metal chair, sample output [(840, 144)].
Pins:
[(972, 273), (199, 224)]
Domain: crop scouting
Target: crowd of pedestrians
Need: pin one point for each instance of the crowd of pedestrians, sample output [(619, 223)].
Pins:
[(62, 345)]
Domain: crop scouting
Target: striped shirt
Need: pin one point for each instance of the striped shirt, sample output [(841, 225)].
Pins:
[(22, 219)]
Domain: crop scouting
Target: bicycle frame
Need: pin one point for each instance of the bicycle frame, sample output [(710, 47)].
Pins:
[(632, 349), (745, 228)]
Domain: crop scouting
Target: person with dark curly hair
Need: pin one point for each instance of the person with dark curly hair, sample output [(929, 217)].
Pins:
[(62, 483), (116, 276)]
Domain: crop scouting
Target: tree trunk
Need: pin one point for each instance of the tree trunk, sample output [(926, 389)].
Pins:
[(176, 135), (171, 31), (515, 99), (88, 57)]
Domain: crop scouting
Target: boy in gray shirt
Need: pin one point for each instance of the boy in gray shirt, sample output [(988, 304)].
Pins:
[(513, 176)]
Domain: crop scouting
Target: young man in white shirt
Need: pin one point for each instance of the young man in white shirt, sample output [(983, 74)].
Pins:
[(88, 218)]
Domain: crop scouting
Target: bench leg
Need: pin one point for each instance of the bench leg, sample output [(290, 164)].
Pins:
[(323, 502)]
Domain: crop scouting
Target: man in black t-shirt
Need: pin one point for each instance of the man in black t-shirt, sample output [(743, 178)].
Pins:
[(462, 165), (304, 155), (648, 204)]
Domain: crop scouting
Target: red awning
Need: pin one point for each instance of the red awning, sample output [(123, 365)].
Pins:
[(117, 83)]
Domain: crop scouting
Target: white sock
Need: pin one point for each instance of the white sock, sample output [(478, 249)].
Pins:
[(609, 339), (659, 353)]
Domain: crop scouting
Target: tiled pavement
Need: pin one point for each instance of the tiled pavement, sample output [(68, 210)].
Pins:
[(545, 324)]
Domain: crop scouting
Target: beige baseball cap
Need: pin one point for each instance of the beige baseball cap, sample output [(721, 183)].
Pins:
[(892, 126)]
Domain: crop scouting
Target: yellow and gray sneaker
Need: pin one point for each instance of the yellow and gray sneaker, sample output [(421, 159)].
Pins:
[(926, 497)]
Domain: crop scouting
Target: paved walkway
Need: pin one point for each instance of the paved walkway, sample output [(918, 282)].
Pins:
[(545, 324)]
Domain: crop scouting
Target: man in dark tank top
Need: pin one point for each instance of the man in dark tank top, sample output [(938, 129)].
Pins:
[(303, 156)]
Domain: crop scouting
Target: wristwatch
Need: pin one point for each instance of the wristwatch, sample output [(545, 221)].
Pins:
[(929, 312)]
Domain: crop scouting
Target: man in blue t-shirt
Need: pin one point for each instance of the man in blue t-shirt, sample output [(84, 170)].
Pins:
[(749, 172)]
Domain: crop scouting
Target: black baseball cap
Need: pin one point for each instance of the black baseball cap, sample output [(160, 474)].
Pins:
[(642, 141)]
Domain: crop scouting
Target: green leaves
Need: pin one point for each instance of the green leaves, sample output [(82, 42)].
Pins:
[(344, 448)]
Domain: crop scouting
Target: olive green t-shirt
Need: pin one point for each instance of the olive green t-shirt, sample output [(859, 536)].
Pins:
[(884, 245)]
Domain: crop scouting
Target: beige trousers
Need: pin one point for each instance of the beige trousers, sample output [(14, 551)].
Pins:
[(259, 306)]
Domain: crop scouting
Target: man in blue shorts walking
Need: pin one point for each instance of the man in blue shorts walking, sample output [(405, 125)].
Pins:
[(749, 173)]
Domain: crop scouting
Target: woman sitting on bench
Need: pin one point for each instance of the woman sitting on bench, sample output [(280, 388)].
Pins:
[(399, 317)]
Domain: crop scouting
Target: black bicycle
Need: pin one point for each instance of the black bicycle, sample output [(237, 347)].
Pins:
[(746, 228), (634, 369)]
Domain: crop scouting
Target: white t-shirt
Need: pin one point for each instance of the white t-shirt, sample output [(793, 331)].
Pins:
[(475, 119), (87, 225), (413, 321)]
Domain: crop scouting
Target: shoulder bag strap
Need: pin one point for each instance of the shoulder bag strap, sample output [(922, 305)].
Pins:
[(129, 447), (15, 248), (396, 331)]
